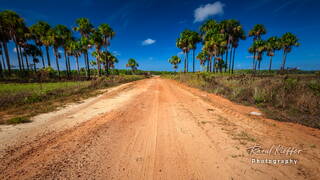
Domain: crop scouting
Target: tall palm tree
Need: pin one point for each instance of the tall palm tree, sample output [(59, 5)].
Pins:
[(63, 36), (237, 35), (272, 44), (74, 47), (85, 28), (39, 32), (133, 64), (257, 31), (174, 60), (107, 34), (11, 23), (259, 47), (288, 41), (203, 57), (184, 43), (214, 44), (194, 39), (55, 42), (34, 51), (97, 39)]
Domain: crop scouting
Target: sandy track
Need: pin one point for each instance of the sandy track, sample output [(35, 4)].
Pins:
[(154, 129)]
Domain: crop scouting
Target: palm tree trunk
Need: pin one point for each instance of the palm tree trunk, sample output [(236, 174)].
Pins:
[(48, 56), (88, 65), (18, 55), (210, 64), (230, 60), (193, 60), (208, 61), (57, 61), (107, 68), (259, 64), (65, 59), (69, 65), (27, 62), (270, 64), (6, 52), (234, 52), (185, 62), (253, 60), (34, 66), (284, 60), (78, 69), (3, 61)]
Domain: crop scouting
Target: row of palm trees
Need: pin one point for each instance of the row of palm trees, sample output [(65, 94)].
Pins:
[(220, 41), (29, 42), (270, 46)]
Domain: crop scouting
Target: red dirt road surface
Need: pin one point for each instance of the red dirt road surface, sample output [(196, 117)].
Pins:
[(157, 129)]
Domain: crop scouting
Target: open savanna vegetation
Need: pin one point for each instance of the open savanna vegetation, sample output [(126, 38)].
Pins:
[(286, 94), (292, 98)]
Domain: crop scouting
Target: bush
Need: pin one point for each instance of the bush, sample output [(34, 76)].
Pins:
[(18, 120)]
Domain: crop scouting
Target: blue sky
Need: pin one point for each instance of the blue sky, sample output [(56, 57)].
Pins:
[(159, 22)]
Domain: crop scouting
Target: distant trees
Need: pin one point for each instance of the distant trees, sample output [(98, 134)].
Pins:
[(221, 39), (133, 64), (174, 60), (29, 41)]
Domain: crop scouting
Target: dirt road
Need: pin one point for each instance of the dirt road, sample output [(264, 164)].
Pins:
[(156, 129)]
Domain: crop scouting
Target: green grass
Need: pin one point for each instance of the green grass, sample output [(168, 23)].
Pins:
[(37, 88), (289, 97), (18, 120)]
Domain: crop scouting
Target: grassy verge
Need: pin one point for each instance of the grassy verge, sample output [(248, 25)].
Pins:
[(19, 102), (293, 98)]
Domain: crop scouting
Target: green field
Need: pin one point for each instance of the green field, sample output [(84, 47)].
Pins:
[(37, 88)]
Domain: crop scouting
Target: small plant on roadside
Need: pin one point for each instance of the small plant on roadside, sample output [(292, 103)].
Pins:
[(18, 120)]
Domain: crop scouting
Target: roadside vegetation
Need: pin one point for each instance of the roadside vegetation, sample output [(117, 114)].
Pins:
[(19, 102), (292, 97)]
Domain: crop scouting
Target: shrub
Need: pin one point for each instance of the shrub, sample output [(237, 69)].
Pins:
[(18, 120)]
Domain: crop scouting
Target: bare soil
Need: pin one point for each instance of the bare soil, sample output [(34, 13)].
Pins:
[(154, 129)]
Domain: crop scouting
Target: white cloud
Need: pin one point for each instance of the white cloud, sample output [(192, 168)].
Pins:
[(116, 53), (179, 53), (204, 11), (14, 49), (148, 42)]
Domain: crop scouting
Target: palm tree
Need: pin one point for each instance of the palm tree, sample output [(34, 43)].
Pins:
[(97, 39), (288, 41), (174, 60), (194, 39), (229, 28), (259, 47), (107, 34), (214, 44), (74, 48), (184, 43), (237, 35), (39, 32), (55, 41), (203, 57), (85, 28), (34, 51), (63, 36), (133, 64), (257, 31), (272, 44), (11, 23)]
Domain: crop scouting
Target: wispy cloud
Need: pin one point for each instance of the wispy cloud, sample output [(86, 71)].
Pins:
[(148, 41), (204, 11), (116, 53)]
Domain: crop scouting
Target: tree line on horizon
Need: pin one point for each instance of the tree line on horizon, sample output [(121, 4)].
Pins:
[(220, 41), (29, 42)]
